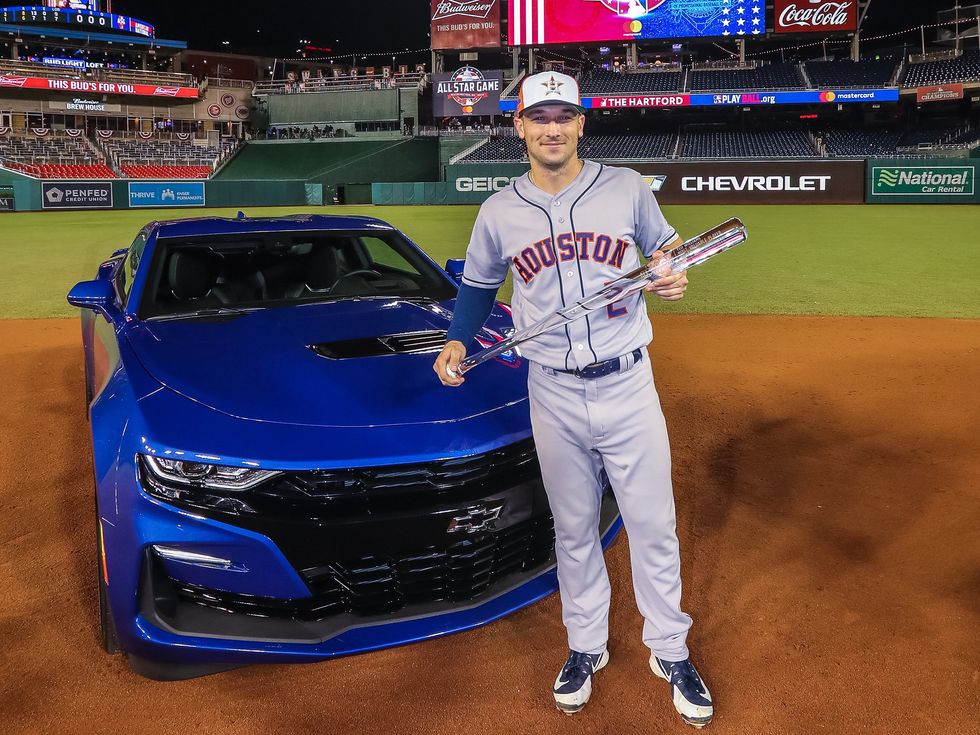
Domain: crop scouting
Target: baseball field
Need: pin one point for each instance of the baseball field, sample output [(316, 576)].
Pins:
[(821, 389)]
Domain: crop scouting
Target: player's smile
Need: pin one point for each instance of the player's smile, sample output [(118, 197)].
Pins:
[(551, 133)]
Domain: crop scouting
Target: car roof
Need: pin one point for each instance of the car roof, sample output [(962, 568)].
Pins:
[(205, 226)]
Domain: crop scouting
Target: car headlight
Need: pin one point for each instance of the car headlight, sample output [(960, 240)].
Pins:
[(204, 475)]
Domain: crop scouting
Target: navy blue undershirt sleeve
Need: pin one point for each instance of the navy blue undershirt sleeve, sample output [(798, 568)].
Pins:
[(473, 306)]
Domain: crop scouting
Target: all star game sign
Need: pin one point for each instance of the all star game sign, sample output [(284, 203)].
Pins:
[(467, 91)]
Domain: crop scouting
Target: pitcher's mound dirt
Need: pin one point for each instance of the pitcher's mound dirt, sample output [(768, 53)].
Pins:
[(828, 504)]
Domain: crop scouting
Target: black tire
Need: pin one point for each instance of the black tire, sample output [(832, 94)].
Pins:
[(107, 632)]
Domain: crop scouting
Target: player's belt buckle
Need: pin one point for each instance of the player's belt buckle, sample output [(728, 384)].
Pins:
[(606, 367)]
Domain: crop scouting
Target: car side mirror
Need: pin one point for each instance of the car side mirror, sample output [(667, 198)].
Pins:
[(98, 295), (120, 251), (454, 267)]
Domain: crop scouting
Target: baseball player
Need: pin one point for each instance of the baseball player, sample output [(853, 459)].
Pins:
[(565, 229)]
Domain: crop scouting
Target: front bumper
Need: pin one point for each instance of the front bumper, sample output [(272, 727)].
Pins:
[(303, 585)]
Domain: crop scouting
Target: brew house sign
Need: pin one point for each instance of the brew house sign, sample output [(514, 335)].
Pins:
[(814, 16)]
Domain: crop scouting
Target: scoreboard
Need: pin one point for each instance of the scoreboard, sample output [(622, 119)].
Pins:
[(77, 16)]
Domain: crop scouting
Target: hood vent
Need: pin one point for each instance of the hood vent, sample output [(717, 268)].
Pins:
[(392, 344)]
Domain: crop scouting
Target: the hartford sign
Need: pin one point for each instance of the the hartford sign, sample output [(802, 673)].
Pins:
[(814, 16)]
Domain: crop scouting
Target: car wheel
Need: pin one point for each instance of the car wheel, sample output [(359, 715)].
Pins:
[(106, 629)]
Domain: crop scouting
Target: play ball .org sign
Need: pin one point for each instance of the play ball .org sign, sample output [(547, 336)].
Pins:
[(923, 180), (76, 195), (467, 91)]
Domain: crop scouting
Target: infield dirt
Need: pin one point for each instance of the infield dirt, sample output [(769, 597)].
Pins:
[(826, 474)]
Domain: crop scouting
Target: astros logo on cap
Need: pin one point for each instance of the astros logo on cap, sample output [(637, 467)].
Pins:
[(553, 86)]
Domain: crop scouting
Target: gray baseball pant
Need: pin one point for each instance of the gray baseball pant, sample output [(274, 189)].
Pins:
[(613, 423)]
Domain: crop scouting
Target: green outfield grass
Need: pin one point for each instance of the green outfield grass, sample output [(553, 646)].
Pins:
[(861, 260)]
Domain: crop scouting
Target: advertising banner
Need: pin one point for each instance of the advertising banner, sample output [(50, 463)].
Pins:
[(464, 24), (716, 99), (166, 194), (932, 181), (467, 91), (76, 195), (939, 93), (707, 182), (814, 16), (80, 85), (536, 22)]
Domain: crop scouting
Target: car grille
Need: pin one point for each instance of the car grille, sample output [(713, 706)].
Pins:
[(402, 487), (375, 585), (392, 344)]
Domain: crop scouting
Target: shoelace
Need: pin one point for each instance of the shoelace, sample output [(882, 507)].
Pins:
[(683, 671), (577, 669)]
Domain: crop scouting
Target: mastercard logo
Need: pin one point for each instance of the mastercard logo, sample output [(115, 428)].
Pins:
[(633, 26), (467, 108), (827, 96)]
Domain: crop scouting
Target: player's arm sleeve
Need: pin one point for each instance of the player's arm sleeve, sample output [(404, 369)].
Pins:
[(653, 232), (473, 306)]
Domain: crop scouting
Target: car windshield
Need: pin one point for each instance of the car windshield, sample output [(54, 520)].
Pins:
[(231, 274)]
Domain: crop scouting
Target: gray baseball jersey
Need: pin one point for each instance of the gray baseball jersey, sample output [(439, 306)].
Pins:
[(586, 431), (567, 246)]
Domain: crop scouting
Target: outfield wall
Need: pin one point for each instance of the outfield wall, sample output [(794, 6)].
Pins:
[(922, 181)]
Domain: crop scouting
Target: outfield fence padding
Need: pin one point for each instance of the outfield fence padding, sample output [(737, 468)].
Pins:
[(923, 181)]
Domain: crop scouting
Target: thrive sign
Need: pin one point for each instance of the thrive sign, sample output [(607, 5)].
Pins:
[(923, 180)]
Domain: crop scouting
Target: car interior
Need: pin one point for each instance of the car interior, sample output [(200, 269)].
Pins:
[(283, 269)]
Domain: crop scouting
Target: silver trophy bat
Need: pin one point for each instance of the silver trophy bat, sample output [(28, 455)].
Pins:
[(686, 255)]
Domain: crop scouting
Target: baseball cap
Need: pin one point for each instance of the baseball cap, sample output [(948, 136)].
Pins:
[(548, 88)]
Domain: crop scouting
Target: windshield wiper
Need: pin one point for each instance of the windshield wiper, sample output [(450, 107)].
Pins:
[(209, 311)]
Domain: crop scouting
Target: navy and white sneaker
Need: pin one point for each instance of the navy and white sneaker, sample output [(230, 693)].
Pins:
[(573, 687), (691, 697)]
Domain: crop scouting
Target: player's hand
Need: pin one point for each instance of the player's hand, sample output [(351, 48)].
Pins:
[(450, 357), (670, 286)]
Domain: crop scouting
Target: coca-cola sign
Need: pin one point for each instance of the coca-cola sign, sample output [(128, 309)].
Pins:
[(465, 24), (814, 16)]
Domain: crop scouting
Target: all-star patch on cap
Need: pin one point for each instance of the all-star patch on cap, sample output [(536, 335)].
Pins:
[(548, 88)]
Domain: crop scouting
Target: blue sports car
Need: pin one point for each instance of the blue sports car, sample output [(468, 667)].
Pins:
[(279, 476)]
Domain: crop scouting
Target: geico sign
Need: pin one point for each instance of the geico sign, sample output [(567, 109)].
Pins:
[(755, 183), (483, 183)]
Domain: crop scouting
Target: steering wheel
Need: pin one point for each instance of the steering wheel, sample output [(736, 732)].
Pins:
[(361, 272)]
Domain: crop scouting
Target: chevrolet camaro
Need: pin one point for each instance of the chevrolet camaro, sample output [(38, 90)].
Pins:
[(279, 476)]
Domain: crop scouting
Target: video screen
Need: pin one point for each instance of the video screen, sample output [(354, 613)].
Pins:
[(92, 5), (535, 22)]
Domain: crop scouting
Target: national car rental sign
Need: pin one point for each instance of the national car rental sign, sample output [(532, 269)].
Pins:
[(814, 16)]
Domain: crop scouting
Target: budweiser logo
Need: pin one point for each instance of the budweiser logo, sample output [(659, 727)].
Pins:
[(13, 81), (472, 8), (817, 15), (165, 92)]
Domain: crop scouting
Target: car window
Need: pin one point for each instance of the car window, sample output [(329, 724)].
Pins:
[(260, 270), (126, 274)]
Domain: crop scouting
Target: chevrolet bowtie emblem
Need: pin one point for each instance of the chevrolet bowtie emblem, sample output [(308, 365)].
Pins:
[(476, 518)]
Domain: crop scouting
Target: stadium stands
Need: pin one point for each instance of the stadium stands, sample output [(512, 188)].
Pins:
[(161, 158), (846, 73), (53, 157), (961, 69), (737, 144), (601, 82), (862, 142), (768, 77), (598, 147)]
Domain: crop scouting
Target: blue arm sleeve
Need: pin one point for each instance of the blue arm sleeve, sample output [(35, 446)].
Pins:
[(473, 306)]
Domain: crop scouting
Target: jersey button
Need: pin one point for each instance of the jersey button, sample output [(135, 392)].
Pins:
[(581, 347), (569, 274), (561, 219), (557, 203)]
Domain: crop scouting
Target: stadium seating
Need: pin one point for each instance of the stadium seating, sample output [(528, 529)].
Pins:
[(162, 158), (846, 73), (599, 147), (736, 144), (53, 157), (962, 69), (862, 142), (768, 77), (134, 171), (600, 82)]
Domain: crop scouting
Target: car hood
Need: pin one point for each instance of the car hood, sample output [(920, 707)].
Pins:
[(260, 366)]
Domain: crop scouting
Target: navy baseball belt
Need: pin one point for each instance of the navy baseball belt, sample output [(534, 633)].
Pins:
[(606, 367)]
